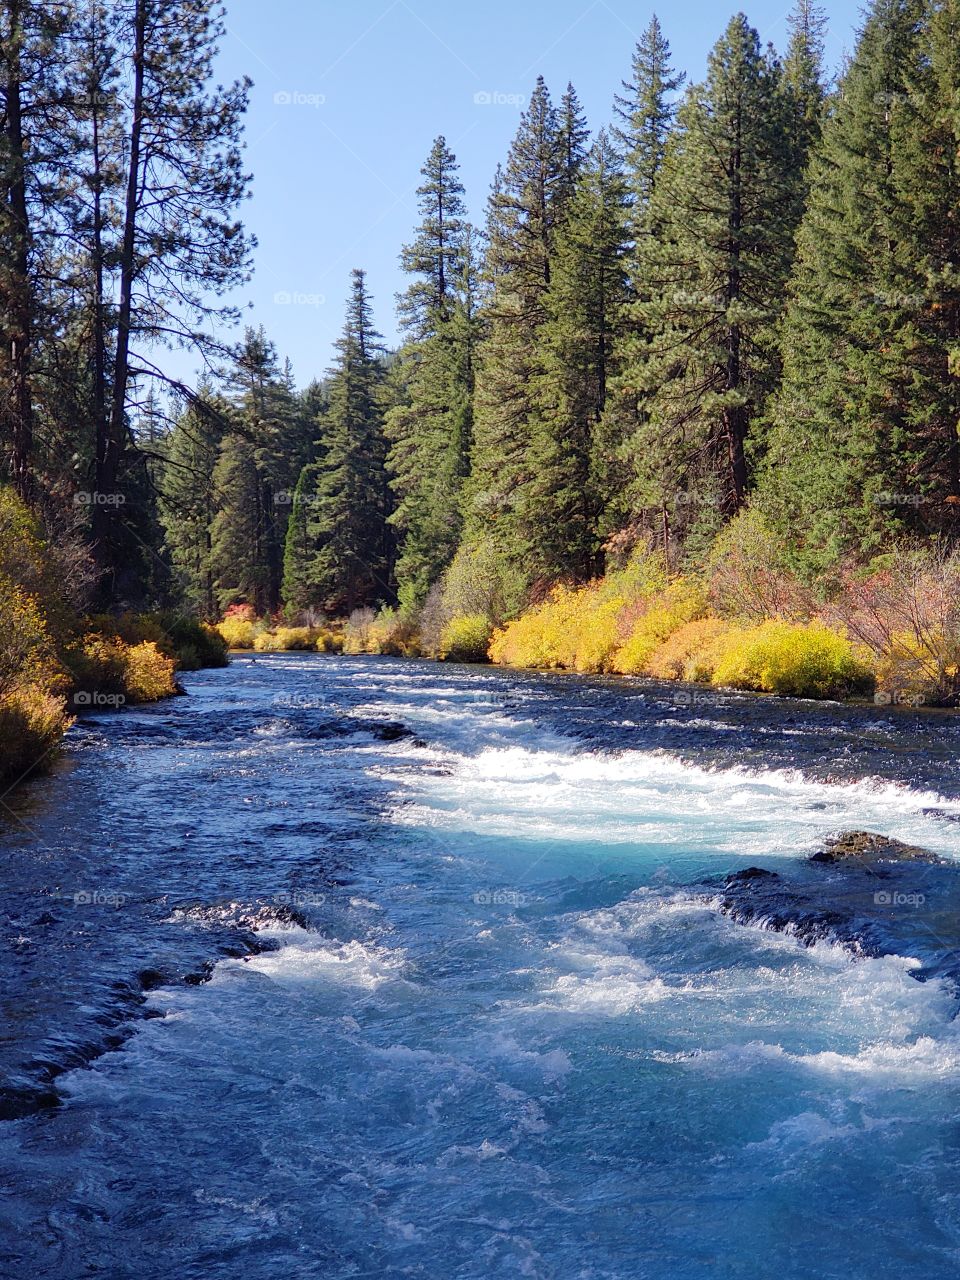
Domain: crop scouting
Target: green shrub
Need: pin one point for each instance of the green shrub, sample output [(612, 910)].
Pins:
[(466, 639), (388, 632), (193, 643), (792, 660)]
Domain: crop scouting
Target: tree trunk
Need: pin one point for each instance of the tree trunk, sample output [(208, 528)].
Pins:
[(18, 300), (111, 442)]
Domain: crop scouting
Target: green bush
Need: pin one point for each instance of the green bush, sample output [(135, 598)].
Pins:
[(466, 639), (193, 643)]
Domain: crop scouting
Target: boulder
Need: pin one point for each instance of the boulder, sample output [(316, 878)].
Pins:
[(863, 847)]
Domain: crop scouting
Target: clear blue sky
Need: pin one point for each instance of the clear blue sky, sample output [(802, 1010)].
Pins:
[(370, 84)]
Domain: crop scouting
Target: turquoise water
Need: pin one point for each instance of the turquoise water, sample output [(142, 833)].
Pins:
[(508, 1033)]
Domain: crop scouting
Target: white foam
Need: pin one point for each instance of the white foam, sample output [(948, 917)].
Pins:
[(642, 797)]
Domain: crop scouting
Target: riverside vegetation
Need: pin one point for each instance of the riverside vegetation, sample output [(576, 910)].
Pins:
[(686, 406)]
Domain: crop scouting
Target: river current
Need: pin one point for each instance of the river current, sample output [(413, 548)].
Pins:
[(356, 967)]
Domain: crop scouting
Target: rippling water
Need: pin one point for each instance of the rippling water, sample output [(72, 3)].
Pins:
[(354, 967)]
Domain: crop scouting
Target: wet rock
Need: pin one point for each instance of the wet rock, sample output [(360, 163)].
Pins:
[(391, 731), (748, 874), (243, 916), (758, 897), (17, 1101), (864, 847)]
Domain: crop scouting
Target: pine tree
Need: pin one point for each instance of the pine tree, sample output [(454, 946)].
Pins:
[(180, 246), (268, 417), (713, 285), (239, 552), (586, 296), (430, 423), (32, 52), (866, 441), (298, 553), (803, 78), (188, 498), (350, 549), (646, 110), (525, 211)]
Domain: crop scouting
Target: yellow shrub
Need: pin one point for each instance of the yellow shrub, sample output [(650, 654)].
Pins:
[(107, 673), (32, 722), (915, 670), (465, 639), (26, 651), (680, 603), (792, 660), (148, 674), (595, 632), (288, 639), (329, 641), (686, 654), (238, 632), (575, 629)]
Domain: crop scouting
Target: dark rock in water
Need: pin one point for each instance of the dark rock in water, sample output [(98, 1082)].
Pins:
[(756, 896), (150, 979), (391, 731), (871, 904), (18, 1101), (867, 847), (941, 813), (750, 873)]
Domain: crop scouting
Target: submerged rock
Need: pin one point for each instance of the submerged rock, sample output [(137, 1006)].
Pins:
[(867, 846)]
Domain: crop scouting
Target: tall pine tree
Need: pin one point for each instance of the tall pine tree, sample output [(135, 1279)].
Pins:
[(525, 212), (430, 425), (341, 557), (711, 288), (866, 443), (568, 490)]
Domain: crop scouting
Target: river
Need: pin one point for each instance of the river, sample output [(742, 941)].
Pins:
[(356, 967)]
